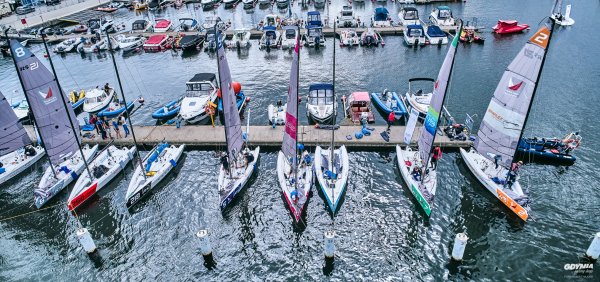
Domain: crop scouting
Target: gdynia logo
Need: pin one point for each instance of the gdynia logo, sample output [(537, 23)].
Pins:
[(580, 268)]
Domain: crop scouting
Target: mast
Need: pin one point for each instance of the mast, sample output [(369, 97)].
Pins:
[(334, 109), (112, 55), (297, 87), (535, 86), (32, 116), (219, 89), (65, 104)]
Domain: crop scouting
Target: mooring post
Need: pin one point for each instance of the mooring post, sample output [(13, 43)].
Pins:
[(458, 250), (86, 241), (593, 250)]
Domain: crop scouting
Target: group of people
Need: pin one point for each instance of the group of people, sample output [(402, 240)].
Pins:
[(417, 172), (105, 127)]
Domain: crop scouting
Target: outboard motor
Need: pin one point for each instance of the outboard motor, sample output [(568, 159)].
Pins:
[(317, 42), (238, 45)]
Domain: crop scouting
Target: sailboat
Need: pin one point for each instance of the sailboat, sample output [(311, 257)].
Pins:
[(239, 162), (558, 17), (493, 152), (295, 178), (424, 187), (332, 165), (13, 139), (55, 122)]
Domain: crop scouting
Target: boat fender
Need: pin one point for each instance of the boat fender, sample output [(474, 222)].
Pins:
[(408, 163), (358, 135), (74, 175), (349, 137), (366, 132), (173, 162), (2, 170)]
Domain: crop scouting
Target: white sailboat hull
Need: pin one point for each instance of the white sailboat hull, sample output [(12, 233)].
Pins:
[(285, 176), (424, 192), (231, 184), (14, 164), (332, 189)]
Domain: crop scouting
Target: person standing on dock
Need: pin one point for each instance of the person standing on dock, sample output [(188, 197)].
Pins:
[(390, 120), (115, 124), (123, 122)]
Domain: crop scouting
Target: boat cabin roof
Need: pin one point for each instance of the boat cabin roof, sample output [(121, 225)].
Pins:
[(414, 26), (410, 9), (162, 23), (435, 31), (203, 77), (320, 86), (507, 22), (156, 39), (140, 22), (93, 93), (381, 11), (362, 97), (269, 28)]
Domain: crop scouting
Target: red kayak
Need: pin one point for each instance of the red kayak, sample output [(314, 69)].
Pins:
[(507, 27)]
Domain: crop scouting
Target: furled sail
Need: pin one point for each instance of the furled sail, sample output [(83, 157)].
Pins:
[(43, 95), (504, 118), (291, 117), (437, 102), (12, 134), (233, 127)]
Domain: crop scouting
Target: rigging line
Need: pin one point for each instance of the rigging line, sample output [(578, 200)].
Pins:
[(134, 79), (27, 213), (67, 69)]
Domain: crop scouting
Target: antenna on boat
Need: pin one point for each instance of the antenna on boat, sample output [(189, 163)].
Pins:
[(62, 96), (112, 55), (30, 113)]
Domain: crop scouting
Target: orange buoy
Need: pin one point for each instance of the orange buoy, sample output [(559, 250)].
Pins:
[(237, 87)]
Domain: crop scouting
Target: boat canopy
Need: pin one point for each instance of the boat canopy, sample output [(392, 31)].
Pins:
[(314, 19), (381, 14), (139, 25), (193, 22), (507, 22), (435, 31), (202, 77), (269, 28), (359, 97), (156, 39), (411, 13), (162, 23), (320, 94), (290, 33), (415, 30), (444, 12)]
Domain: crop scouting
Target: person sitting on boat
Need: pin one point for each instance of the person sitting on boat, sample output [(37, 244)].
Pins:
[(416, 173), (30, 151), (497, 158), (225, 161), (294, 196), (249, 157), (279, 105), (462, 136), (306, 158), (436, 155), (107, 88), (513, 173)]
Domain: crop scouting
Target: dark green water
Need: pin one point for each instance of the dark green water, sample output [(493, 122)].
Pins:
[(381, 234)]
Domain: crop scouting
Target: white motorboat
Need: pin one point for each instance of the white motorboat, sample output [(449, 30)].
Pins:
[(371, 38), (188, 24), (64, 173), (271, 20), (162, 25), (92, 45), (320, 103), (105, 167), (435, 35), (349, 38), (442, 17), (414, 35), (17, 161), (158, 164), (68, 45), (201, 91), (332, 174), (288, 39), (558, 17), (141, 26), (130, 43), (21, 109), (381, 18), (271, 37), (97, 100), (276, 114), (409, 16), (346, 18), (210, 21), (419, 99), (240, 39)]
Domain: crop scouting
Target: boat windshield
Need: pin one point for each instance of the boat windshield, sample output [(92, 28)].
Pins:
[(346, 13), (320, 97), (314, 18), (314, 32), (444, 14), (271, 34), (199, 89), (270, 21), (411, 15), (415, 32), (290, 34)]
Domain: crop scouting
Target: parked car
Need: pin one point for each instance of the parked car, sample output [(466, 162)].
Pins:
[(22, 10)]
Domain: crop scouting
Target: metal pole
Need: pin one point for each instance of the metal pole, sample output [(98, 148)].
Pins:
[(331, 149), (297, 88), (217, 41)]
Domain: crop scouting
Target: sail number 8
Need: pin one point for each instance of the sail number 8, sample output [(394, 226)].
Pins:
[(20, 52)]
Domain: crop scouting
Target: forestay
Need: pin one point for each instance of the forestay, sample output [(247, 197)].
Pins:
[(233, 127), (43, 95), (504, 118), (291, 117), (12, 134)]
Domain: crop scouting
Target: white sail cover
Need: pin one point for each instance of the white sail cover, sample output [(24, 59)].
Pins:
[(233, 126), (432, 119), (43, 95), (502, 124), (12, 134), (291, 117)]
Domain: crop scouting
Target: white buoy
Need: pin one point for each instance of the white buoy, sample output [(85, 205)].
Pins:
[(458, 250), (594, 250), (205, 247), (85, 239), (329, 244)]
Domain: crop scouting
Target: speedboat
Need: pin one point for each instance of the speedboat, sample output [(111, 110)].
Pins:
[(552, 151), (314, 30), (210, 21), (271, 37), (168, 111), (162, 25), (104, 168), (381, 18), (201, 91), (21, 109), (190, 41), (130, 43), (288, 40), (141, 26), (97, 100), (409, 16), (320, 103), (442, 17), (80, 29), (64, 173), (389, 101), (68, 45), (270, 20), (158, 43), (332, 174), (470, 35), (157, 165), (358, 107), (114, 109), (419, 100), (435, 35), (370, 38), (276, 114), (209, 4), (188, 24), (347, 18), (211, 40), (241, 39), (349, 38), (414, 35), (508, 27)]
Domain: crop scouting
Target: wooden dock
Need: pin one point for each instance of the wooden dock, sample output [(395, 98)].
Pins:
[(208, 137)]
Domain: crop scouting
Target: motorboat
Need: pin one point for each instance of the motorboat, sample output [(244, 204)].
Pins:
[(209, 4), (249, 3), (271, 38), (349, 38), (314, 30), (115, 108), (21, 109), (281, 4), (346, 18), (97, 100), (371, 38), (130, 43), (162, 25), (80, 29), (157, 43), (210, 21), (414, 35), (332, 174), (201, 92), (558, 17), (276, 114), (358, 107), (211, 40), (190, 41), (470, 35), (168, 111), (288, 39), (270, 20), (68, 45), (109, 163), (381, 18), (419, 99), (554, 151), (53, 182), (229, 3), (92, 45), (141, 26), (188, 24), (388, 102), (409, 16), (509, 26), (435, 35), (240, 98), (159, 162), (240, 39), (320, 103), (442, 17)]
